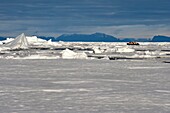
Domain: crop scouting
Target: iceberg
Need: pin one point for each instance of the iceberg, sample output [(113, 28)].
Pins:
[(33, 40), (20, 42), (68, 54)]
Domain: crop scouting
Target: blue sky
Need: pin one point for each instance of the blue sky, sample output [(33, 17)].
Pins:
[(120, 18)]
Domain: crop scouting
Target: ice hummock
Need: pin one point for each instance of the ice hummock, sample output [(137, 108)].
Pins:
[(68, 54), (20, 42), (32, 47)]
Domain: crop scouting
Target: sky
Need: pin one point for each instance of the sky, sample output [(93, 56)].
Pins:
[(119, 18)]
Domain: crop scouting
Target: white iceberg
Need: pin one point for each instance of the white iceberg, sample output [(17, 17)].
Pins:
[(68, 54), (34, 40), (20, 42)]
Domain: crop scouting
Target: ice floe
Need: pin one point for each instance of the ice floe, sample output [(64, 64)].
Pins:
[(68, 54), (32, 47)]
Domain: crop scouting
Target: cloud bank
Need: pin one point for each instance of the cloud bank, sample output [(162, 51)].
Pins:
[(121, 18)]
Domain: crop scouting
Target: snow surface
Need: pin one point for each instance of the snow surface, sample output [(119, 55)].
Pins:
[(84, 86), (125, 49), (38, 76)]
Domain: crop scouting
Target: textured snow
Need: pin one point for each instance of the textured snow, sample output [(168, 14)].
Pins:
[(125, 49), (96, 50), (39, 76), (36, 57), (84, 86)]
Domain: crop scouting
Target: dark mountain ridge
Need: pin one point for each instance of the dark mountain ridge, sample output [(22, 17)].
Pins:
[(96, 37), (100, 37), (161, 38)]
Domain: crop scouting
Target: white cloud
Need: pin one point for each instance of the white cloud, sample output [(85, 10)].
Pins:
[(50, 28)]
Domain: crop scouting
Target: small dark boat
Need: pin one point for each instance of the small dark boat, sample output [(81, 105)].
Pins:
[(132, 43)]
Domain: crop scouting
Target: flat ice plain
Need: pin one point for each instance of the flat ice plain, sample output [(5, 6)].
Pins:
[(38, 76), (84, 86)]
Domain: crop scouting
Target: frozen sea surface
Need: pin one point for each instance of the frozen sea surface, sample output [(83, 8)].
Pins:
[(84, 86)]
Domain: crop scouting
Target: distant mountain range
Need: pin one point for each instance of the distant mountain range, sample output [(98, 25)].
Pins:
[(100, 37), (2, 38), (160, 38), (96, 37)]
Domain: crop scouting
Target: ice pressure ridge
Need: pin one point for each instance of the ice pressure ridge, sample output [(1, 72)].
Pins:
[(31, 47)]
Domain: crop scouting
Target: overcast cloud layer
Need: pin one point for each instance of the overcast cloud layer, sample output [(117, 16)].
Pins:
[(121, 18)]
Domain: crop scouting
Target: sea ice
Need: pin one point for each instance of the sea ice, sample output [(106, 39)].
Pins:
[(68, 54)]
